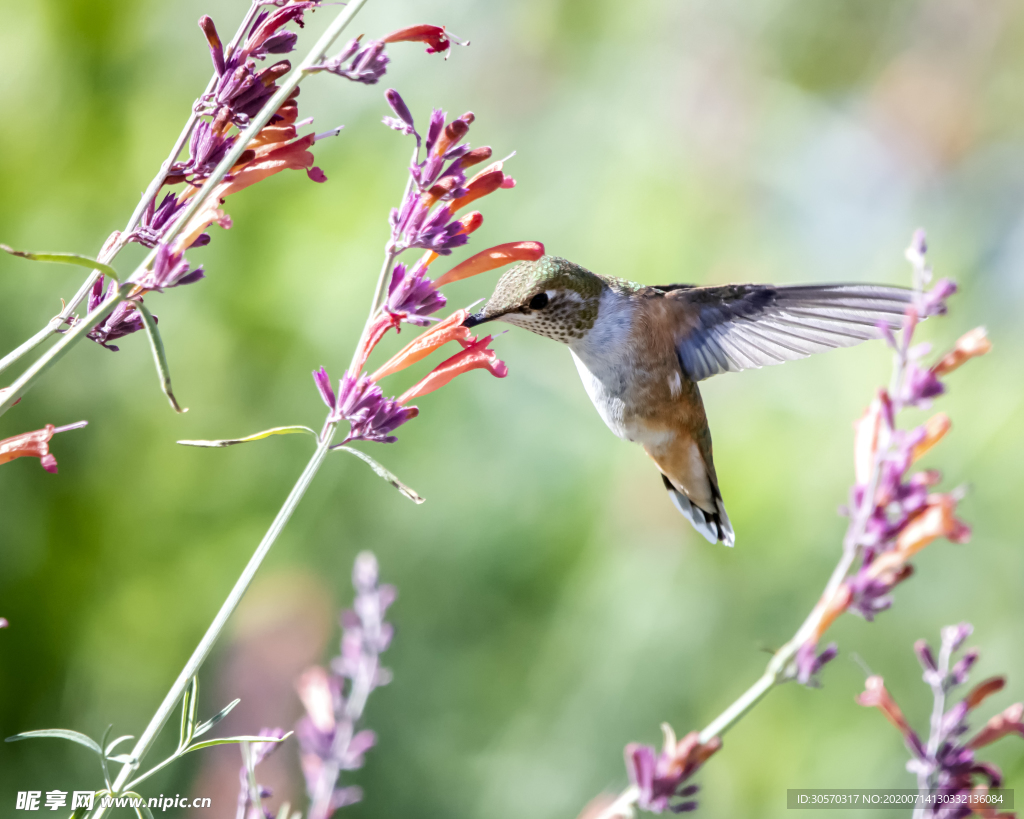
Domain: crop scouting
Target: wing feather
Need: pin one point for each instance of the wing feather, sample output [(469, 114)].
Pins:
[(738, 327)]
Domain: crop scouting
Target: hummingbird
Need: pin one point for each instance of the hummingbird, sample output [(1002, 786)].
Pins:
[(641, 350)]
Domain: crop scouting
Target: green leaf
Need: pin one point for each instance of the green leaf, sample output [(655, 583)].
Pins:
[(115, 743), (60, 733), (103, 758), (142, 811), (65, 258), (254, 437), (156, 344), (206, 726), (189, 704), (231, 740), (410, 493)]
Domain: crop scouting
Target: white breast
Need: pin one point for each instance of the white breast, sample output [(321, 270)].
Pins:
[(602, 358)]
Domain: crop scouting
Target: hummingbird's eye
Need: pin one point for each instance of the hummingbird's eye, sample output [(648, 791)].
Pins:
[(539, 302)]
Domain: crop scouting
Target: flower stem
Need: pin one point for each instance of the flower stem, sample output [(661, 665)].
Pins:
[(315, 55), (202, 651)]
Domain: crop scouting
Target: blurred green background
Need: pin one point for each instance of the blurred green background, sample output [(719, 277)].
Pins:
[(553, 606)]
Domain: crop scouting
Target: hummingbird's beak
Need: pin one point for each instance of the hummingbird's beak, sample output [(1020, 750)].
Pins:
[(473, 319)]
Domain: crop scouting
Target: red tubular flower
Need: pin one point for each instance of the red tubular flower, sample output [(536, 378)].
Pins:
[(450, 329), (1008, 722), (476, 356), (491, 258), (34, 444), (876, 695), (434, 36)]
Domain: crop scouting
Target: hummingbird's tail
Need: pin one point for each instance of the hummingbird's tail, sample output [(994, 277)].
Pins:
[(714, 526)]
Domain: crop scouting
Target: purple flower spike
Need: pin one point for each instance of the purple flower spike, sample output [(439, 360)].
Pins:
[(411, 296), (123, 320), (323, 384), (933, 302), (334, 700)]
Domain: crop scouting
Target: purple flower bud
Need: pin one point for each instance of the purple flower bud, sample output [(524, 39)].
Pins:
[(365, 573), (401, 110), (808, 663), (960, 672), (925, 656), (323, 384), (365, 65), (435, 129), (953, 636)]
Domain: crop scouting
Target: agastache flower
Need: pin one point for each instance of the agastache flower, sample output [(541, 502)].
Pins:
[(241, 91), (334, 699), (661, 778), (946, 768), (35, 444)]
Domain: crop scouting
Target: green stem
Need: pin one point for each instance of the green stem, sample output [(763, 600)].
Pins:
[(202, 651), (315, 55)]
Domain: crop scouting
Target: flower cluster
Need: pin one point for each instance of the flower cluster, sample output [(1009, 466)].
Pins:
[(35, 444), (439, 187), (368, 63), (945, 765), (425, 220), (240, 90), (248, 806), (895, 513), (335, 699), (660, 779)]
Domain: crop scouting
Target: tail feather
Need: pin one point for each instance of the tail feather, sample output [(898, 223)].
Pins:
[(714, 526)]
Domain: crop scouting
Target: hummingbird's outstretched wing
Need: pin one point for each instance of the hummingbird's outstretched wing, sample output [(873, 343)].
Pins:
[(741, 326)]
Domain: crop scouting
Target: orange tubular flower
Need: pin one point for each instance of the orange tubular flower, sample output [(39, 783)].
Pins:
[(476, 356), (34, 444), (491, 258), (450, 329), (935, 520), (935, 430), (968, 346)]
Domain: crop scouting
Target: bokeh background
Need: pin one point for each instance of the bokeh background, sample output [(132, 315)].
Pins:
[(553, 606)]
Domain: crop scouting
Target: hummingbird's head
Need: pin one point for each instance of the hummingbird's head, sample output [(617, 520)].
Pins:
[(551, 297)]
